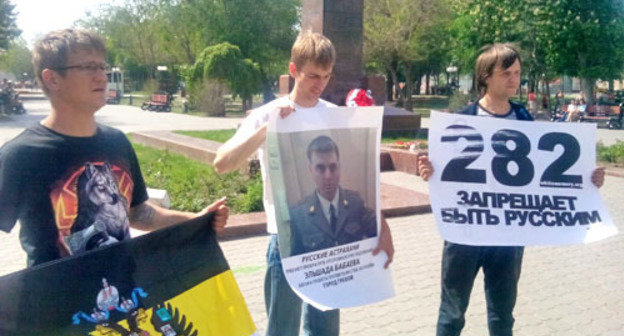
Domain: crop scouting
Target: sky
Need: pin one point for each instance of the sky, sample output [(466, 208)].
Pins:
[(37, 17)]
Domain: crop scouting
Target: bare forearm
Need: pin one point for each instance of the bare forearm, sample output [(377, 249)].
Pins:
[(149, 217), (232, 155)]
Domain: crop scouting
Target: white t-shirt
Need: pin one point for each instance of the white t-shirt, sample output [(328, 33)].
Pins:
[(481, 111), (256, 119)]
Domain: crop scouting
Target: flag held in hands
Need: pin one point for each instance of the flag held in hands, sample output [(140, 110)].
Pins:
[(174, 281)]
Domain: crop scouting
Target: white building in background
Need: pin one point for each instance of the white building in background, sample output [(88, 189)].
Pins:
[(617, 85)]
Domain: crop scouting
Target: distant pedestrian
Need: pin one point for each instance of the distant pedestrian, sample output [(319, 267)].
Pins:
[(532, 99)]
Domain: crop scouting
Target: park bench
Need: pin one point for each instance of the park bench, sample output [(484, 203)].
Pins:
[(158, 102), (604, 115), (113, 97)]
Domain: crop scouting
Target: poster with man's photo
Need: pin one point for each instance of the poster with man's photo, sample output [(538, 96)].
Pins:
[(324, 170)]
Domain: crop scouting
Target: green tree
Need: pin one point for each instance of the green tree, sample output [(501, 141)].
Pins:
[(8, 28), (480, 22), (564, 37), (264, 30), (225, 62), (404, 36), (17, 60), (174, 32), (132, 37), (585, 39)]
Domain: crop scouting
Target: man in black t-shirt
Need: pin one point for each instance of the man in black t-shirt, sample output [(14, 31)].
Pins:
[(73, 184)]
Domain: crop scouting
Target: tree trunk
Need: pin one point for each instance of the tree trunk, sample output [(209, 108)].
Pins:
[(427, 88), (409, 84), (267, 90), (247, 103), (397, 87), (418, 83), (389, 87), (611, 86), (587, 87), (548, 95)]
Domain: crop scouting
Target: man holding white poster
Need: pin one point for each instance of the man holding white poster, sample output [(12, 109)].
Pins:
[(316, 162), (312, 61), (491, 196)]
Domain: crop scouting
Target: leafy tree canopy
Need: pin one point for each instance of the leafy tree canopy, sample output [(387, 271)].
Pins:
[(8, 28)]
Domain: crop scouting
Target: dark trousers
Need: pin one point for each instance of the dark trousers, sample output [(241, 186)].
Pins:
[(501, 269)]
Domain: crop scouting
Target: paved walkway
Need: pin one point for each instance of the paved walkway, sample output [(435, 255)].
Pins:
[(125, 118), (570, 290)]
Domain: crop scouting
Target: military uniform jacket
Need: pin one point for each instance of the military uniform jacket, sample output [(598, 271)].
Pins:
[(311, 231)]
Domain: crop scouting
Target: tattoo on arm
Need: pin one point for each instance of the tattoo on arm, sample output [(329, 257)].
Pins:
[(143, 213)]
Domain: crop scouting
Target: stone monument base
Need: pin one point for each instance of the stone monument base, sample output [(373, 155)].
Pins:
[(399, 120)]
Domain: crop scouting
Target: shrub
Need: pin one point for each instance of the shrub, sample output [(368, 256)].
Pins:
[(251, 198), (612, 154), (150, 86), (458, 101), (192, 185), (209, 96)]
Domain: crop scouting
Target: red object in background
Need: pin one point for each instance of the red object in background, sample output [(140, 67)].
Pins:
[(359, 97)]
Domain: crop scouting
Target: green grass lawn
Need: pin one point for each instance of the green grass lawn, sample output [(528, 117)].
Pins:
[(216, 135), (224, 135), (430, 101), (423, 104), (193, 185), (402, 136)]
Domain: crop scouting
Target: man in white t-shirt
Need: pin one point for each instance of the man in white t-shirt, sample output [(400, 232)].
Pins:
[(312, 61)]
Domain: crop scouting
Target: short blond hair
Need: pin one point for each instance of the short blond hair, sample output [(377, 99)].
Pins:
[(52, 51), (314, 48)]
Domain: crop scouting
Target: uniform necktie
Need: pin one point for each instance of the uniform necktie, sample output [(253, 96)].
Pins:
[(332, 218)]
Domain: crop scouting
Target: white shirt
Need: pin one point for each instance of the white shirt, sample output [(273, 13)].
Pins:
[(256, 119), (326, 203), (481, 111)]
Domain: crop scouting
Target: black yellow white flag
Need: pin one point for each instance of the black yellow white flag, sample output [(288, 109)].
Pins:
[(174, 281)]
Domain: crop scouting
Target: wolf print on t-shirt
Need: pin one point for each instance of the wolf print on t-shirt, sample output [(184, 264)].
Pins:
[(91, 207)]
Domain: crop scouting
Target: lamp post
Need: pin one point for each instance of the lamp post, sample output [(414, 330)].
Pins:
[(452, 71)]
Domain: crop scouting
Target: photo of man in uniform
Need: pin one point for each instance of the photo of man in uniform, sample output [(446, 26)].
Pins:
[(331, 215)]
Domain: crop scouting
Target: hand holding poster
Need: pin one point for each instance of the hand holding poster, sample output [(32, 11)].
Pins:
[(324, 169), (506, 182)]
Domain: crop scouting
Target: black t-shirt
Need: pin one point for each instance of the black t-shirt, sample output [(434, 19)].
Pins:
[(71, 194)]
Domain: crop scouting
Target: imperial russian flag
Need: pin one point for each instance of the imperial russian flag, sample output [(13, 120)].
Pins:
[(170, 282)]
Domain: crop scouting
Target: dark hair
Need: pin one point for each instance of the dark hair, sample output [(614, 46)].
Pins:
[(52, 51), (322, 144), (491, 55)]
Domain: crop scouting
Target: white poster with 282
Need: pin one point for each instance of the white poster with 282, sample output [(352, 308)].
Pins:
[(506, 182)]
